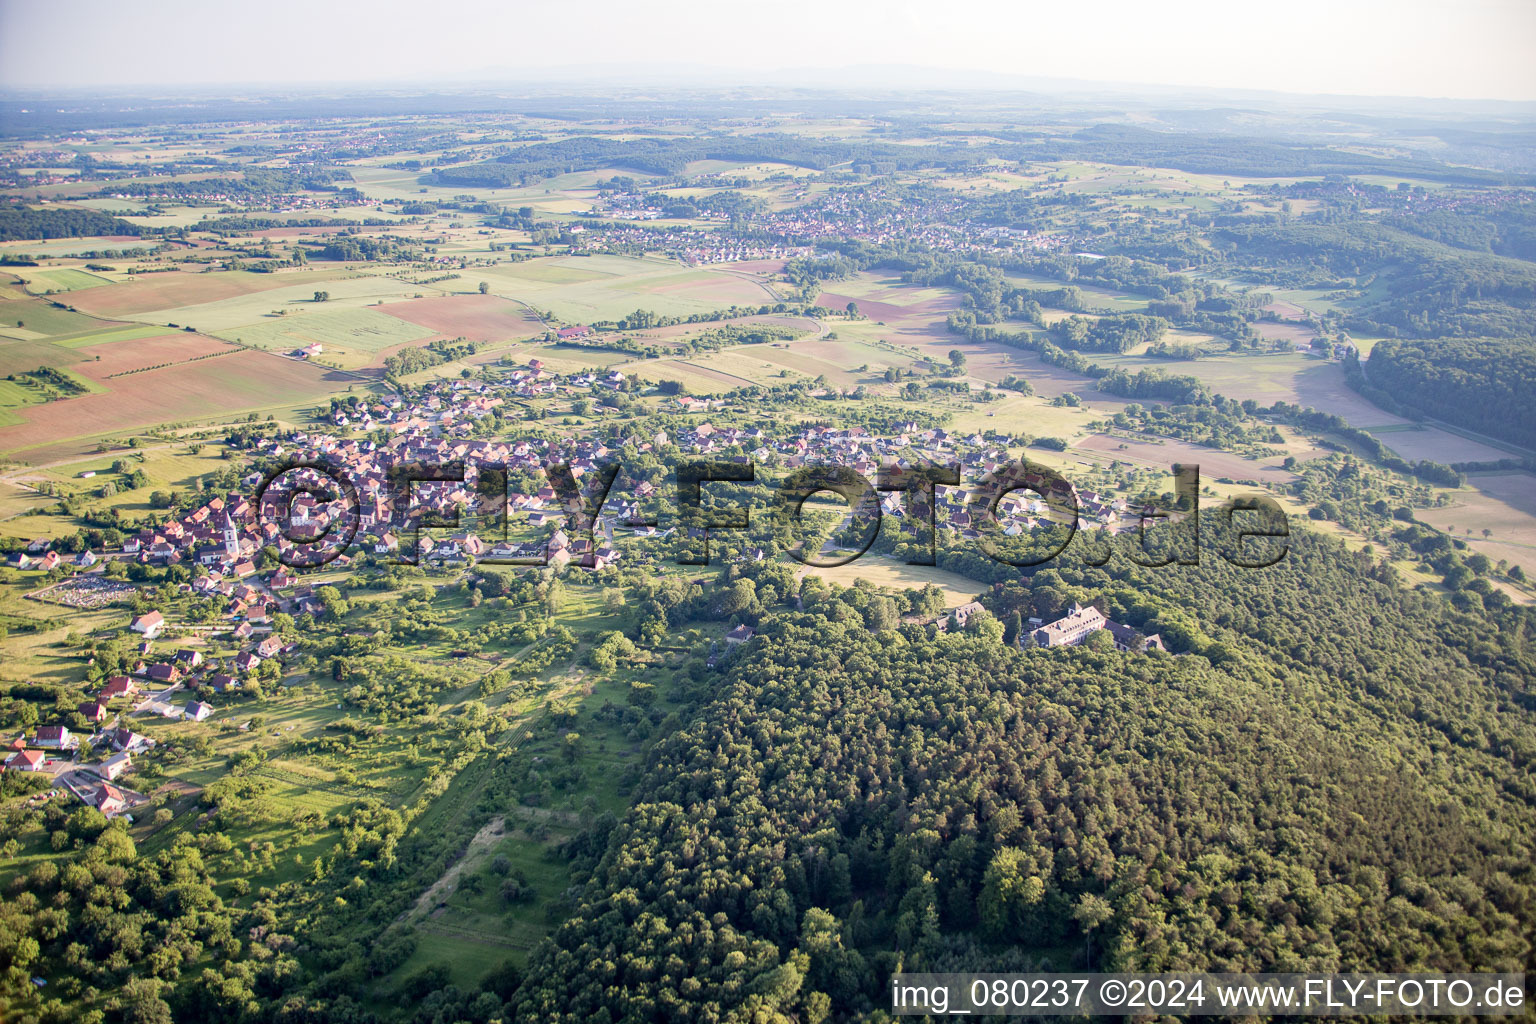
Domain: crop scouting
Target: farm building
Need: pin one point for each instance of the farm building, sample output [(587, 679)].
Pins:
[(150, 624)]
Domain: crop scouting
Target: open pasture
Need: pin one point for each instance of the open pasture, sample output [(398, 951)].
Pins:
[(345, 290), (1050, 317), (351, 336), (895, 575), (677, 331), (14, 397), (610, 287), (62, 279), (696, 379), (1016, 415), (1421, 441), (167, 467), (1502, 503), (175, 289), (764, 365), (111, 335), (1294, 332), (1288, 377), (1164, 453), (888, 300), (21, 355), (43, 319), (73, 246), (815, 357)]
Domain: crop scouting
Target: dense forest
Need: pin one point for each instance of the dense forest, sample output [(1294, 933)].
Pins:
[(849, 801), (670, 156), (1207, 154), (1479, 384), (21, 222), (1431, 288), (1216, 154), (1508, 232), (1326, 766)]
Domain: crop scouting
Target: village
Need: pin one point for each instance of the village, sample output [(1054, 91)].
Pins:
[(870, 214), (443, 425), (228, 543)]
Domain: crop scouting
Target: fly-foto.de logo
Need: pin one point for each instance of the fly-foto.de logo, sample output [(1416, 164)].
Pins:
[(1020, 514)]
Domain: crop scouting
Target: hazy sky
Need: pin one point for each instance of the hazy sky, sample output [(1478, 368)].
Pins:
[(1439, 48)]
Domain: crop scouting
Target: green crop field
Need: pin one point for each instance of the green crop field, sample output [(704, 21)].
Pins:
[(64, 279), (42, 317), (12, 397), (351, 291), (351, 331), (109, 336), (610, 287)]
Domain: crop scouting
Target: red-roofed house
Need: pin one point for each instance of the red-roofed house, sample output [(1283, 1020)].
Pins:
[(119, 686), (110, 800), (53, 736), (163, 673), (25, 761)]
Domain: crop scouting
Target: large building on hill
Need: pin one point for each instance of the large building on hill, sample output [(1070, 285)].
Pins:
[(1080, 623)]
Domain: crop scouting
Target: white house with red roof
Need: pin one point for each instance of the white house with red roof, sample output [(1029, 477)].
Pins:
[(54, 737), (110, 800), (26, 761)]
